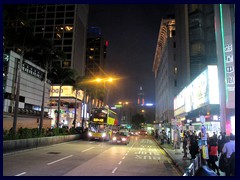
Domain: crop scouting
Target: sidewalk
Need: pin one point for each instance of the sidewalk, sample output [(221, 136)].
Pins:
[(177, 157)]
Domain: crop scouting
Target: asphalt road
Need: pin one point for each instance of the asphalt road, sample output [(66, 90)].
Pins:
[(141, 157)]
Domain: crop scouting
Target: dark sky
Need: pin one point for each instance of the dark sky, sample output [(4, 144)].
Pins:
[(132, 31)]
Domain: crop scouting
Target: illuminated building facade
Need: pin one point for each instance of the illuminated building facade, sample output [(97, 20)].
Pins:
[(165, 70)]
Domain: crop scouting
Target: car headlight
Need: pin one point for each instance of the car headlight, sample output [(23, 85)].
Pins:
[(114, 138), (104, 135), (124, 139), (90, 134)]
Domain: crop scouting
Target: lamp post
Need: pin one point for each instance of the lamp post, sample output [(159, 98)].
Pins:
[(104, 80)]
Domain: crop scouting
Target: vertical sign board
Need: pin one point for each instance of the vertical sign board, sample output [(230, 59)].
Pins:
[(228, 53)]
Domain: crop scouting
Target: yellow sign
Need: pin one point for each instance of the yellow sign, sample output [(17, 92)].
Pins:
[(66, 91), (98, 120)]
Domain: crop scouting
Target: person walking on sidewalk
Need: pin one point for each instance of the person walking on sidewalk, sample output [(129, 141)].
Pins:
[(185, 144), (176, 139), (213, 154), (229, 149), (193, 148)]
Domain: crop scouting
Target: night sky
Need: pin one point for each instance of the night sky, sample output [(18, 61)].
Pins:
[(132, 31)]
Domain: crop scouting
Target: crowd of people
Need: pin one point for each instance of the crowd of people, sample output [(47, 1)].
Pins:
[(221, 148), (218, 145)]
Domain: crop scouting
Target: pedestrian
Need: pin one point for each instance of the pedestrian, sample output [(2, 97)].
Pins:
[(213, 154), (185, 144), (229, 149), (175, 139), (221, 141), (193, 146)]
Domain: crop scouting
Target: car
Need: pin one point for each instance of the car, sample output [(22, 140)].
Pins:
[(142, 132), (134, 133), (121, 138)]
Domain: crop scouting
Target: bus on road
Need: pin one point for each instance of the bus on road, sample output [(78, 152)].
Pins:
[(103, 123)]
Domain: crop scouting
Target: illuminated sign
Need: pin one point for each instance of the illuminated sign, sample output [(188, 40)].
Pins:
[(98, 120), (66, 91), (118, 106)]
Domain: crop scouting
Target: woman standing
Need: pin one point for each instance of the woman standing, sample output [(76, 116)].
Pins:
[(213, 154)]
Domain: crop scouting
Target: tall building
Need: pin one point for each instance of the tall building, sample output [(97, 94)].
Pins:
[(140, 100), (96, 52), (65, 25), (195, 39), (197, 27), (165, 70)]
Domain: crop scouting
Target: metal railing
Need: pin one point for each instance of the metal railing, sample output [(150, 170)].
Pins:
[(194, 166)]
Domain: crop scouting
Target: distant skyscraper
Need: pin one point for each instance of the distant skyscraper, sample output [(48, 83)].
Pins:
[(140, 100)]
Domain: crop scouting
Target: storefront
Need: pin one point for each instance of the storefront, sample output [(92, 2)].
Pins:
[(68, 100)]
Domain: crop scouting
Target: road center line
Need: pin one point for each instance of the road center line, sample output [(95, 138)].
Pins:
[(114, 170), (59, 160), (21, 174), (87, 149), (120, 162), (123, 157)]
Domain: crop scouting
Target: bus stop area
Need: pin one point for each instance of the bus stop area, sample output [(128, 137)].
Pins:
[(187, 166)]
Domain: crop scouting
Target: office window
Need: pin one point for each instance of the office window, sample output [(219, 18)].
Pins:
[(68, 35), (50, 15), (59, 21), (66, 64), (68, 42), (60, 15), (49, 22), (61, 8), (68, 21), (69, 14), (58, 42), (49, 28), (48, 35), (50, 8), (69, 7), (67, 49)]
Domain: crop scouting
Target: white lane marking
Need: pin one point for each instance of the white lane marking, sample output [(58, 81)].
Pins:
[(21, 174), (120, 162), (114, 170), (87, 149), (123, 157), (59, 160)]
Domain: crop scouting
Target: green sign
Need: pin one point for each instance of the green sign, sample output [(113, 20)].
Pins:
[(118, 105)]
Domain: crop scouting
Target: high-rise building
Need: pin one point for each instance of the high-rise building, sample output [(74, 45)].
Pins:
[(195, 39), (96, 52), (165, 70), (65, 25), (140, 100)]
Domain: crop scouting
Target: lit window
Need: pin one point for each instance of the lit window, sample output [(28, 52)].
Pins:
[(175, 70), (91, 57), (58, 35), (68, 28), (91, 49)]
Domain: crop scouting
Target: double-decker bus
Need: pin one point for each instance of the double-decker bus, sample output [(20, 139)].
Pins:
[(103, 123)]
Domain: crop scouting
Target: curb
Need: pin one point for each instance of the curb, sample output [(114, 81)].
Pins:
[(172, 159)]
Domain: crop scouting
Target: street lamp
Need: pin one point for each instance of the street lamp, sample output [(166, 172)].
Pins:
[(104, 80)]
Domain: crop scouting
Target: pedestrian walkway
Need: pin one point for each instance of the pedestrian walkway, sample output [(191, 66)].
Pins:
[(177, 157)]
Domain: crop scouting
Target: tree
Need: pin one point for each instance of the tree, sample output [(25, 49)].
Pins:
[(18, 34), (137, 119), (61, 76)]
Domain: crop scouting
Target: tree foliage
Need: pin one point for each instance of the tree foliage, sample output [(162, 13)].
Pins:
[(137, 119)]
